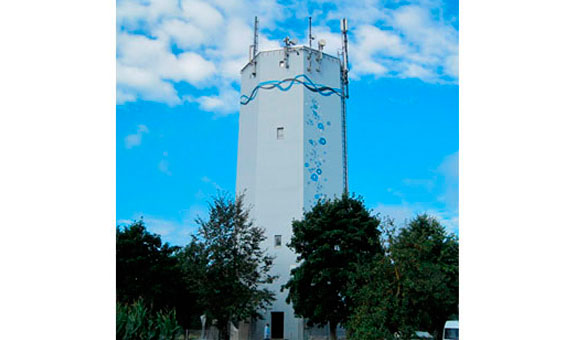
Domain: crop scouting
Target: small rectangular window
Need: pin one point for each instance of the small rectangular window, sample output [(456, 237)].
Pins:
[(280, 133), (278, 241)]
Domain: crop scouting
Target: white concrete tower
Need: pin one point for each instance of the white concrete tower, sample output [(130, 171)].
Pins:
[(290, 153)]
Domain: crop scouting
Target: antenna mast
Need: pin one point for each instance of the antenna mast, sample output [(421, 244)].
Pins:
[(345, 57), (345, 90), (309, 35), (255, 45)]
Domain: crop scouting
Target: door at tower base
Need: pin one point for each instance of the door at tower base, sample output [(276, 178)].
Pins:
[(277, 325), (290, 154)]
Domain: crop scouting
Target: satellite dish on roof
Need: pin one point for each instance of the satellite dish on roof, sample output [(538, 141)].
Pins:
[(289, 42), (321, 44)]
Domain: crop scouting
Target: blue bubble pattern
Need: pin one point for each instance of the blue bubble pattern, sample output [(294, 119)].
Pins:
[(316, 152)]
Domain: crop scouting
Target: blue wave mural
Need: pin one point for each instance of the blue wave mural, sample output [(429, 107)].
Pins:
[(286, 85)]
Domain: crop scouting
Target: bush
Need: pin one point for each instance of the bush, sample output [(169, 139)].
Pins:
[(135, 321)]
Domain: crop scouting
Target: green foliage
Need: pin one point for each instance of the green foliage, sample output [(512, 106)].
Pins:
[(167, 324), (413, 286), (136, 321), (226, 266), (145, 267), (378, 310), (121, 320), (427, 260), (330, 241), (149, 270)]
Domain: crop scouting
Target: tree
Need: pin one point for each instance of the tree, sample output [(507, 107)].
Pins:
[(427, 262), (412, 286), (330, 240), (378, 312), (225, 263), (148, 269), (145, 268)]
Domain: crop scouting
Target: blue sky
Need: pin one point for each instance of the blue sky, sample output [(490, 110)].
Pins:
[(178, 99)]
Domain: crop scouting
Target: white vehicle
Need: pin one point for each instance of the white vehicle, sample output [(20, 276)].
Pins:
[(451, 330), (422, 335)]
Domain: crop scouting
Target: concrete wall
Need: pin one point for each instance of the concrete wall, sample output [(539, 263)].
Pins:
[(282, 177)]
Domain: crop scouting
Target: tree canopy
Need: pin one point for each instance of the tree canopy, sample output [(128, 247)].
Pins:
[(412, 286), (145, 268), (427, 262), (331, 239), (150, 271), (347, 274), (225, 263)]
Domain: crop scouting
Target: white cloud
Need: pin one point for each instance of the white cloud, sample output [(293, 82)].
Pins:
[(214, 39), (225, 103), (366, 11), (163, 166), (449, 170), (211, 41), (404, 213), (135, 139), (452, 66), (449, 167), (442, 189), (184, 34), (435, 43), (189, 67), (401, 213), (136, 82), (176, 231), (208, 180), (134, 14), (428, 184), (433, 37), (417, 71), (146, 68), (123, 97), (171, 231), (372, 39), (201, 13), (416, 47), (411, 41), (333, 39)]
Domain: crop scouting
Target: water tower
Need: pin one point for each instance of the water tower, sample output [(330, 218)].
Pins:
[(291, 151)]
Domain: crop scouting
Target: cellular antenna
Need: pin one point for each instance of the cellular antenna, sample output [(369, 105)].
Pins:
[(345, 95), (310, 36), (345, 56), (255, 45)]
